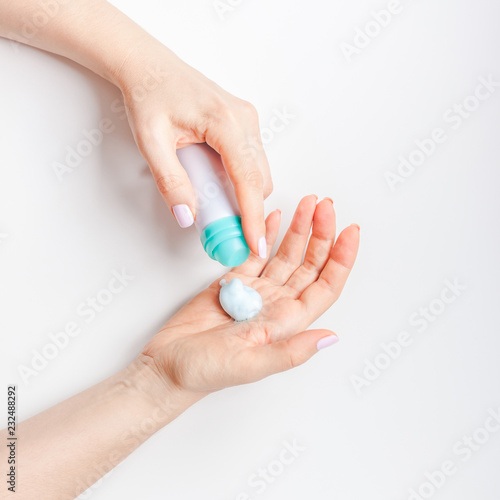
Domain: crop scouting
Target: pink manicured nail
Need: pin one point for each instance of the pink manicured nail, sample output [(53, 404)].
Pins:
[(326, 341), (262, 247), (183, 215)]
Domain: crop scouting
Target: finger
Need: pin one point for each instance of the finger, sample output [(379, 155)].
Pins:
[(255, 149), (289, 255), (318, 248), (279, 356), (266, 172), (254, 264), (248, 183), (247, 168), (321, 294), (171, 179)]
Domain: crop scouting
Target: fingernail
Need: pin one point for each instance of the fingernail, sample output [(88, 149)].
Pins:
[(262, 247), (326, 341), (329, 199), (183, 215), (356, 226)]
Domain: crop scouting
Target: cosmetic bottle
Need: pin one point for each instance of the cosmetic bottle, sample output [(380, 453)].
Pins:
[(218, 218)]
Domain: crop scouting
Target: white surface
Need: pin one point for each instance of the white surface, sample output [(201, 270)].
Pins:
[(62, 240)]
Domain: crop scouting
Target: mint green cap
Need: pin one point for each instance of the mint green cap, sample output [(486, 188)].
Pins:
[(224, 242)]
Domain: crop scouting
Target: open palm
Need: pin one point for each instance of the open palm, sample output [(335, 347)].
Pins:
[(202, 349)]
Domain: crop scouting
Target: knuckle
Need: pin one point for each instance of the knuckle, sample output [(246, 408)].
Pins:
[(224, 112), (248, 109), (235, 111), (150, 131), (253, 179), (169, 183)]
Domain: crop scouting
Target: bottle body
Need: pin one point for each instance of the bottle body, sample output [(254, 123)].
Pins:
[(218, 217)]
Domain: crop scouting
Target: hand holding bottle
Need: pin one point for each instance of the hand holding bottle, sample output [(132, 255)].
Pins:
[(187, 108), (169, 104)]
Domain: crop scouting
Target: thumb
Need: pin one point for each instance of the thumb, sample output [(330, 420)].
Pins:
[(172, 182), (286, 354)]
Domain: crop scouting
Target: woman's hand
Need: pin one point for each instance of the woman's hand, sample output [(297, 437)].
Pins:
[(171, 105), (201, 349)]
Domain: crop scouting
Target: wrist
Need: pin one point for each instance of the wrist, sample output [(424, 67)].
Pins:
[(142, 67), (162, 400)]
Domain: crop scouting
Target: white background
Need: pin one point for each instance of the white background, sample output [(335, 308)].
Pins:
[(61, 240)]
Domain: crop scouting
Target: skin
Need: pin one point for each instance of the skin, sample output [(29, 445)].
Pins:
[(169, 104), (67, 448), (200, 350), (294, 294)]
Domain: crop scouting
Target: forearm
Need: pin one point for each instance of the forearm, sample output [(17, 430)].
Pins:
[(68, 447), (91, 32)]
